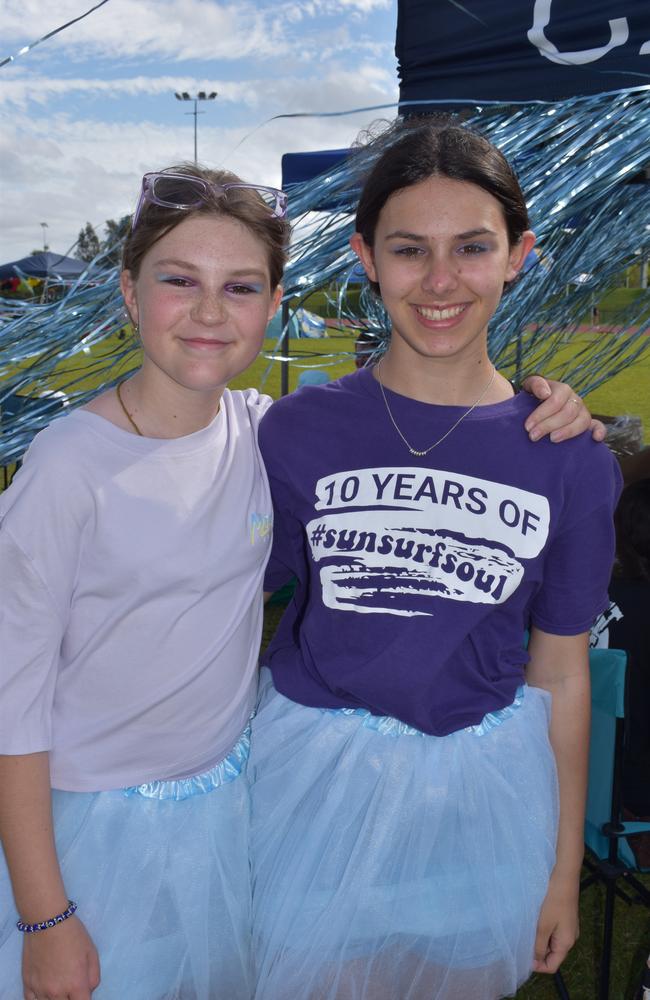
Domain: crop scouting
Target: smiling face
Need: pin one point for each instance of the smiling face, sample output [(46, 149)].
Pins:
[(202, 300), (441, 257)]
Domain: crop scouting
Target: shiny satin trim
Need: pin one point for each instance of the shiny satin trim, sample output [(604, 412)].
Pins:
[(222, 773), (388, 726)]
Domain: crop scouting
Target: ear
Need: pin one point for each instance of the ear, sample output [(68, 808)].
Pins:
[(276, 299), (127, 287), (365, 255), (518, 254)]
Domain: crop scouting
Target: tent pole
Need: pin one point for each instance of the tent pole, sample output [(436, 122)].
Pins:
[(284, 370)]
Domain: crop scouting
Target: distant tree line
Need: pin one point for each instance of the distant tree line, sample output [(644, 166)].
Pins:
[(89, 244)]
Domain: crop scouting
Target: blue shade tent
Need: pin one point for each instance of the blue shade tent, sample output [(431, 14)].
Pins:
[(43, 265), (298, 168)]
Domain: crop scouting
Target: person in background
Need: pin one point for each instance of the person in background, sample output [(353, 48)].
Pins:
[(636, 466)]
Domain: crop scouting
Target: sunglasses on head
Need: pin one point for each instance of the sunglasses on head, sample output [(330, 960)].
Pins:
[(183, 191)]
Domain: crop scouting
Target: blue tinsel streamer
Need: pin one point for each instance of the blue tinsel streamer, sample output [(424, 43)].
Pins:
[(574, 159)]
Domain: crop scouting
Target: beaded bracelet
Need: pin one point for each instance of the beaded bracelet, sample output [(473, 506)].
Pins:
[(45, 924)]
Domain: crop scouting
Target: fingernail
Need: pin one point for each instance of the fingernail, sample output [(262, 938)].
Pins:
[(555, 437), (534, 435)]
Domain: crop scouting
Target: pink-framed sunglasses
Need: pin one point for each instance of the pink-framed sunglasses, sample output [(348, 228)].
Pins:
[(186, 192)]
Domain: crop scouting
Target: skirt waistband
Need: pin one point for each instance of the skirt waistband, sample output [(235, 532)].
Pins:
[(222, 773), (388, 726)]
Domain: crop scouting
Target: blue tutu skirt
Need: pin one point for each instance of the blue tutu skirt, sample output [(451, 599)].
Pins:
[(161, 876), (393, 865)]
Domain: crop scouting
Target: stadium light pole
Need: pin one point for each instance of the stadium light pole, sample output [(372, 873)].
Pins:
[(44, 226), (201, 96)]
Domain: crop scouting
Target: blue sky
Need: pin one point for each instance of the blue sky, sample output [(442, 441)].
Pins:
[(86, 113)]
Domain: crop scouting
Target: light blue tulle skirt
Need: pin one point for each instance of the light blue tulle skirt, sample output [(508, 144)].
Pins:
[(393, 865), (161, 875)]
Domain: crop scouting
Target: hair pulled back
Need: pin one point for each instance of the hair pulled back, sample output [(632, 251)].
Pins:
[(415, 149), (241, 204), (632, 521)]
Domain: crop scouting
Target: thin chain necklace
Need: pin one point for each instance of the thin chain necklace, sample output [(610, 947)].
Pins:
[(416, 451), (128, 416)]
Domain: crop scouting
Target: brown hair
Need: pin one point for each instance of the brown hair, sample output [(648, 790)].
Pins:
[(632, 520), (242, 204), (415, 149)]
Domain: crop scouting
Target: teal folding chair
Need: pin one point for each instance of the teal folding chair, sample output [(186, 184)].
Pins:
[(609, 859)]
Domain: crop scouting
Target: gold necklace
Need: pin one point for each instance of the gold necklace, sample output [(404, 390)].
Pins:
[(128, 416), (416, 451)]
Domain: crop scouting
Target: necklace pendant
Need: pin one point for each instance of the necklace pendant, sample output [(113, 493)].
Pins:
[(416, 451)]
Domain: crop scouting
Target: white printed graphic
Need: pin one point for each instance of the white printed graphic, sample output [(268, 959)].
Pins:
[(618, 29), (390, 540), (599, 634)]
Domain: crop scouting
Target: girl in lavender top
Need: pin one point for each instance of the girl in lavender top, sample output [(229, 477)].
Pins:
[(418, 774), (133, 544)]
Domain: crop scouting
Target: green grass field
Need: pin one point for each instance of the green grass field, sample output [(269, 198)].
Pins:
[(626, 393)]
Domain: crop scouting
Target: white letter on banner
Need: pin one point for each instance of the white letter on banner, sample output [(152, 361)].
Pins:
[(541, 19)]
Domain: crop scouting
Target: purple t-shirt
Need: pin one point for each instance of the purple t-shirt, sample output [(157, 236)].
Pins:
[(417, 576)]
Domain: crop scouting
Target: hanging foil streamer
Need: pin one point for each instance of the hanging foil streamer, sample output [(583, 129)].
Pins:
[(581, 163), (576, 161), (28, 48), (55, 353)]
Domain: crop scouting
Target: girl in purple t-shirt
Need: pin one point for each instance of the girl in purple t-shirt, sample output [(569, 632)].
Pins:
[(418, 775)]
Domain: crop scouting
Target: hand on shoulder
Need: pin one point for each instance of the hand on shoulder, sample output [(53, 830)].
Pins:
[(561, 413)]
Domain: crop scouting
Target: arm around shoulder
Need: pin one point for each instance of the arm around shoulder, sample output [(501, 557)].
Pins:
[(561, 413)]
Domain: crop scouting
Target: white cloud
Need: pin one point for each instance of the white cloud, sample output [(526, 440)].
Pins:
[(333, 8), (332, 86), (361, 6), (40, 90), (75, 134), (175, 29), (338, 89), (66, 171)]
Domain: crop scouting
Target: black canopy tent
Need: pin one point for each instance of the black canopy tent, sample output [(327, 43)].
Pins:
[(520, 50)]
